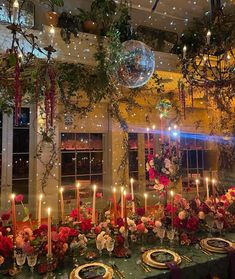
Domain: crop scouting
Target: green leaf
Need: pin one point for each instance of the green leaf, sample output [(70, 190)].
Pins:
[(12, 60), (26, 211), (26, 219)]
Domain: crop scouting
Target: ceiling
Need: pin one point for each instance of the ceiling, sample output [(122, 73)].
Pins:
[(172, 15)]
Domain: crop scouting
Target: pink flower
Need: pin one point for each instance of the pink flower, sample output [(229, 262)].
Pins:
[(152, 173), (140, 227), (169, 208), (182, 215), (158, 224), (19, 198), (54, 236), (99, 195)]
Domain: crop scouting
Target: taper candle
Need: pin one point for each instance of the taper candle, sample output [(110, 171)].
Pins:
[(13, 212), (132, 195), (197, 187), (125, 210), (122, 211), (208, 37), (145, 203), (207, 189), (39, 210), (115, 205), (93, 205), (15, 11), (49, 251), (184, 52), (213, 190), (78, 202), (161, 127), (62, 204), (172, 208)]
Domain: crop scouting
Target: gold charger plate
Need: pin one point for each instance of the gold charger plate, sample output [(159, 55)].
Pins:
[(108, 270), (209, 244), (148, 258)]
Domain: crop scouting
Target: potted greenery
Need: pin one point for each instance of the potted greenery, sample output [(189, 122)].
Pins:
[(52, 16), (88, 21)]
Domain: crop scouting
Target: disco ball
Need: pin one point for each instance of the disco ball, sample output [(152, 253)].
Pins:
[(138, 64)]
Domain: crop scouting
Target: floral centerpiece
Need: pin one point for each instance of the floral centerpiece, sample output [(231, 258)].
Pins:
[(164, 167)]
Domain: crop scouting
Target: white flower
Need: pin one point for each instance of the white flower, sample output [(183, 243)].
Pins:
[(144, 219), (130, 222), (201, 215)]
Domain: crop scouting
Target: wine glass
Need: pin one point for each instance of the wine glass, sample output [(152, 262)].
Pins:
[(20, 259), (210, 223), (170, 235), (110, 246), (219, 225), (100, 245), (161, 234), (32, 261)]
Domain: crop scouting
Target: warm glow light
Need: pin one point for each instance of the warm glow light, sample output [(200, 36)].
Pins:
[(132, 180), (197, 181), (16, 4), (52, 30), (207, 179), (145, 195), (172, 193), (40, 197), (213, 181), (13, 196), (124, 193), (147, 129), (77, 184), (114, 189), (208, 33), (175, 127), (61, 190), (169, 128), (154, 127), (161, 116), (94, 187), (49, 211), (122, 189), (184, 48)]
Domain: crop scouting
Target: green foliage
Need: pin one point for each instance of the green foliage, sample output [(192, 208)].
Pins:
[(53, 3)]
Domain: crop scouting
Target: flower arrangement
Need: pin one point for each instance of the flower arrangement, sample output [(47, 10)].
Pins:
[(165, 167)]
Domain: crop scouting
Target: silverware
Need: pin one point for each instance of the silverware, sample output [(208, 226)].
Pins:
[(118, 272), (140, 263), (187, 259), (147, 267), (205, 252)]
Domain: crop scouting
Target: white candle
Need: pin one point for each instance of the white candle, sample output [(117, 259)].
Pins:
[(207, 188), (132, 195), (197, 186), (49, 253), (213, 190), (184, 52), (208, 37), (62, 204), (15, 11), (39, 210), (172, 208), (148, 140), (122, 204), (93, 204), (145, 203)]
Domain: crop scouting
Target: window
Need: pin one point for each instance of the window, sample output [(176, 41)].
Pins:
[(194, 161), (81, 160), (133, 155), (20, 156), (149, 144)]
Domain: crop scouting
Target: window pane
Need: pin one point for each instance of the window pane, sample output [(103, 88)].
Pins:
[(68, 182), (82, 141), (134, 175), (20, 166), (133, 140), (133, 161), (68, 141), (83, 163), (96, 142), (192, 159), (68, 163), (96, 162), (21, 187), (20, 140), (23, 118), (85, 185)]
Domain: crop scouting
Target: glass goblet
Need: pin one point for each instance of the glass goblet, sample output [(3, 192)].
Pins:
[(210, 223), (161, 234), (170, 235), (100, 246), (20, 259), (110, 246), (32, 261), (220, 226)]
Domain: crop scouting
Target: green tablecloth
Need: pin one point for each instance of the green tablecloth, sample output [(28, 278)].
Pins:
[(201, 266)]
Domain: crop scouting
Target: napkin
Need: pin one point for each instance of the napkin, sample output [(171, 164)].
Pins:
[(175, 271)]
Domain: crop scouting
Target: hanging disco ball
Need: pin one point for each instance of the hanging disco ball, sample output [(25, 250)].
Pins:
[(138, 64)]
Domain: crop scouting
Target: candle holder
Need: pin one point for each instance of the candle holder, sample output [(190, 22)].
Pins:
[(14, 270), (50, 268)]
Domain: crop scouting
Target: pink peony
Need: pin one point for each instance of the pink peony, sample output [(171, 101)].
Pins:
[(182, 215), (19, 198), (140, 227)]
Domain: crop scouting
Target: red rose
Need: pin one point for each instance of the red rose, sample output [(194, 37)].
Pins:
[(164, 180), (169, 208), (179, 224), (140, 211), (5, 216), (19, 198), (73, 232), (192, 223), (85, 225), (73, 213), (6, 246), (120, 222)]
